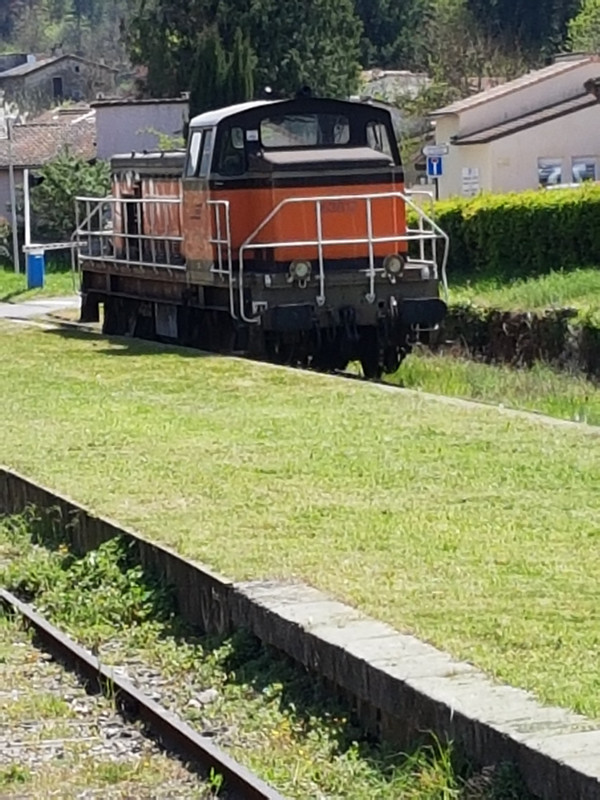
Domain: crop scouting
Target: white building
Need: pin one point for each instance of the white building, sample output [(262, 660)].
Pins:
[(123, 125), (540, 129)]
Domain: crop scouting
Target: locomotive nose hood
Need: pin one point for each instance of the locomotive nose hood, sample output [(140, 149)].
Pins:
[(348, 158)]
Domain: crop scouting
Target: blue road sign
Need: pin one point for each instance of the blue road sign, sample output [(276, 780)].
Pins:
[(434, 166)]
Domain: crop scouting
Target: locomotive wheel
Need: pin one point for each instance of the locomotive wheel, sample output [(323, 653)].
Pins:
[(278, 351), (370, 354), (329, 357)]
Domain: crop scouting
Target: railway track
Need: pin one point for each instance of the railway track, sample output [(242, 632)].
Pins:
[(174, 735)]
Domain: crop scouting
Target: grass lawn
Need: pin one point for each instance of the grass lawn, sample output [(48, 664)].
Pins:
[(476, 531), (577, 289), (13, 287), (540, 388)]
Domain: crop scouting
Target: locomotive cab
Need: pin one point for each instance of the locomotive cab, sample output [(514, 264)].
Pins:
[(285, 233)]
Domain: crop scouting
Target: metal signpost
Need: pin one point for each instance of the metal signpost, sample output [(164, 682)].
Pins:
[(435, 168), (436, 150), (6, 133)]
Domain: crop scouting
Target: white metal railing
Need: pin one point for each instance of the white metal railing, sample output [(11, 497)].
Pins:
[(96, 235), (428, 231), (97, 238), (224, 262)]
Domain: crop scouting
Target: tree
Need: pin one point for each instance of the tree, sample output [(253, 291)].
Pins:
[(536, 26), (306, 42), (53, 199), (393, 32), (282, 43), (584, 29), (209, 76), (219, 79), (239, 82)]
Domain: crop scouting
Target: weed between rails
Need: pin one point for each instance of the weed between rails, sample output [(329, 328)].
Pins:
[(282, 722)]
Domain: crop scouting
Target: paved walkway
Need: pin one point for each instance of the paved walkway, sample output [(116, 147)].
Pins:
[(36, 308)]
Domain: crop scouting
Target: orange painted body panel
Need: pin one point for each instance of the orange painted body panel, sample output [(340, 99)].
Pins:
[(295, 222), (344, 219), (198, 224), (155, 219)]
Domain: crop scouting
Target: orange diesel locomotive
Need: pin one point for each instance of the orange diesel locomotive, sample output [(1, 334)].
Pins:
[(280, 232)]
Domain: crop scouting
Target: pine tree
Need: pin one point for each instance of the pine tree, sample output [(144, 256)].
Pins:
[(208, 87), (240, 79), (288, 43)]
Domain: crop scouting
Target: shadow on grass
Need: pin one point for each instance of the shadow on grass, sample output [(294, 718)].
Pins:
[(307, 701), (127, 345)]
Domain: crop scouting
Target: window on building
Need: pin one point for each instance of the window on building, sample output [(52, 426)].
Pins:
[(583, 168), (57, 87), (550, 171), (305, 130)]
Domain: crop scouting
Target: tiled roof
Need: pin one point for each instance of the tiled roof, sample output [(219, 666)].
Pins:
[(34, 144), (530, 79), (64, 115), (528, 120), (134, 101), (25, 69)]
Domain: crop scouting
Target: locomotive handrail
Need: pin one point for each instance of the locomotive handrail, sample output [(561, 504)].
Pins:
[(411, 235), (220, 242), (83, 231)]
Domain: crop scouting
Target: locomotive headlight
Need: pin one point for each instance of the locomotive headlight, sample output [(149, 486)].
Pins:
[(393, 265), (300, 270)]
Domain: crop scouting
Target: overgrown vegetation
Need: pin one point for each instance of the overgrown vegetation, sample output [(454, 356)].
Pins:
[(541, 389), (577, 288), (287, 726)]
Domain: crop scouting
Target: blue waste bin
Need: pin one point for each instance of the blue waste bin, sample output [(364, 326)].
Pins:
[(35, 268)]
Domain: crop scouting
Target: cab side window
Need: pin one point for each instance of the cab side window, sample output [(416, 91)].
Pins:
[(199, 154), (377, 138), (193, 154), (206, 154), (232, 158)]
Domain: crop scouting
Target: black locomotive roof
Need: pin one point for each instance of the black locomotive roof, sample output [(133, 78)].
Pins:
[(159, 162), (254, 111)]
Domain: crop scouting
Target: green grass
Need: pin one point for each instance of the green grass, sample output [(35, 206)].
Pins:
[(13, 287), (577, 288), (280, 721), (539, 389), (474, 530)]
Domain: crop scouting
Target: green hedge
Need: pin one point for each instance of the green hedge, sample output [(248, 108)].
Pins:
[(518, 235)]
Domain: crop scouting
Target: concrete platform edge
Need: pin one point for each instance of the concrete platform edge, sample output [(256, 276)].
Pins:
[(403, 687)]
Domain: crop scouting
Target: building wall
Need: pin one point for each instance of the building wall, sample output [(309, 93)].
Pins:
[(511, 164), (524, 101), (80, 81), (128, 126), (516, 159)]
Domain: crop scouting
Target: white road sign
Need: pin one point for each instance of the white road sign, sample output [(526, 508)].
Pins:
[(436, 150)]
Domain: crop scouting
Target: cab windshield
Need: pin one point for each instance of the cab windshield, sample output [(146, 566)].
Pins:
[(304, 130)]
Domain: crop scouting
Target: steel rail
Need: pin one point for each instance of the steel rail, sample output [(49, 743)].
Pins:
[(172, 732)]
